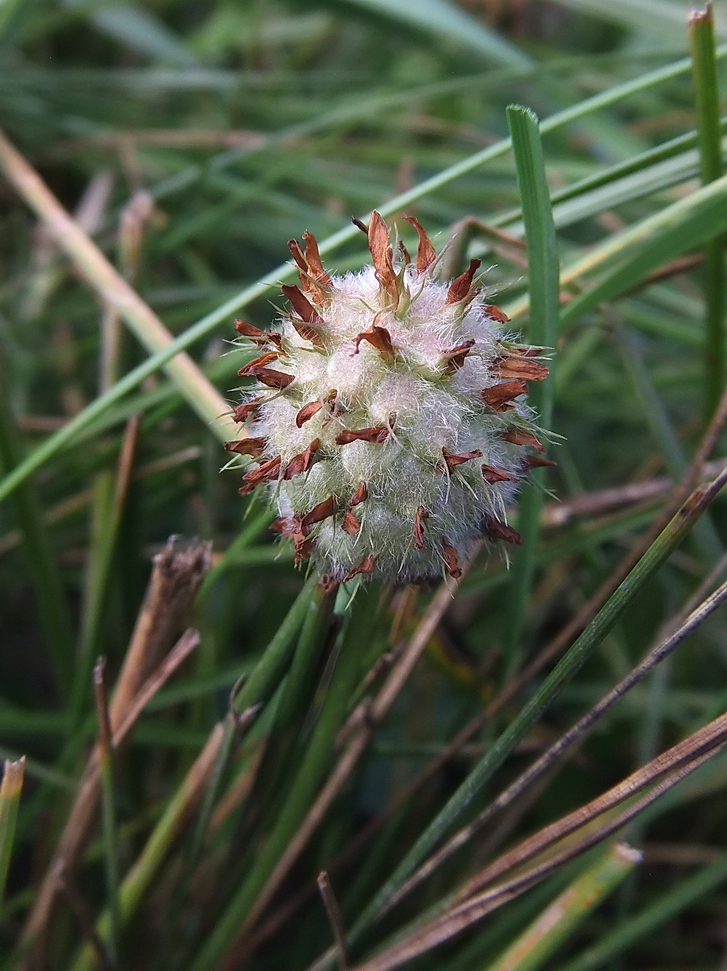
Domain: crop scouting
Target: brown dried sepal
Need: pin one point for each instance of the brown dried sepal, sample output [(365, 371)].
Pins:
[(456, 355), (267, 472), (522, 367), (307, 412), (271, 378), (492, 475), (317, 514), (250, 368), (383, 257), (360, 495), (328, 584), (360, 225), (302, 462), (303, 546), (496, 530), (313, 277), (350, 524), (378, 337), (379, 433), (500, 396), (453, 459), (367, 565), (421, 515), (492, 311), (460, 287), (517, 436), (451, 560), (311, 319), (537, 462), (247, 446), (245, 329), (426, 254), (242, 412)]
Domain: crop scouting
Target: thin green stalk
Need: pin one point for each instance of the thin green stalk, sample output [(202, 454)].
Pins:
[(10, 791), (631, 929), (543, 286), (108, 809), (285, 271), (706, 90), (586, 643), (51, 603), (302, 789), (558, 921)]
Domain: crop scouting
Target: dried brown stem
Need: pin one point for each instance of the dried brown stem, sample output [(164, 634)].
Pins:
[(334, 916)]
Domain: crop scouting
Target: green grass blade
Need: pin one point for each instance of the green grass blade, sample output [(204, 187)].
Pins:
[(10, 791), (558, 921), (543, 286), (706, 83)]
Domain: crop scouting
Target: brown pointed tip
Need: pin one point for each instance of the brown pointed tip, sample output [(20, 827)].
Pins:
[(421, 515), (377, 434), (455, 356), (367, 565), (491, 475), (312, 254), (350, 524), (460, 287), (271, 378), (378, 337), (537, 462), (317, 514), (451, 560), (301, 463), (496, 530), (247, 446), (500, 396), (426, 254), (492, 311), (523, 367), (244, 329), (360, 495), (242, 412), (301, 304), (516, 436), (267, 472), (360, 225), (382, 256), (307, 412), (251, 367), (453, 459)]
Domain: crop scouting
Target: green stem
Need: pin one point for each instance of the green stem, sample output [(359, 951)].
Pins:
[(543, 286), (706, 85), (10, 791)]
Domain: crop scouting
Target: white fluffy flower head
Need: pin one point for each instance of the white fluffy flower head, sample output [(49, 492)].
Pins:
[(388, 416)]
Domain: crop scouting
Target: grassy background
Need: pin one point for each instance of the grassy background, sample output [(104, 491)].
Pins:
[(191, 141)]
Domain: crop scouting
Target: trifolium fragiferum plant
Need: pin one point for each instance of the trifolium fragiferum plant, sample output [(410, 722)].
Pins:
[(387, 414)]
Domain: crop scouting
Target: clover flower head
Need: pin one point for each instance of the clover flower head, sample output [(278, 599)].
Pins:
[(387, 416)]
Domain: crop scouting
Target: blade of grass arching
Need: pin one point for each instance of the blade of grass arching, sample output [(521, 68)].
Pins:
[(706, 84), (444, 19), (10, 790), (612, 944), (110, 491), (250, 897), (583, 647), (645, 246), (108, 807), (558, 921), (44, 577), (98, 408), (204, 399), (542, 331)]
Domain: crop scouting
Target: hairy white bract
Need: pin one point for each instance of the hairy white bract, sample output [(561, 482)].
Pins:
[(387, 415)]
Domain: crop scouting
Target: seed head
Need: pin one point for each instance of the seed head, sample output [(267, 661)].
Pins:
[(387, 414)]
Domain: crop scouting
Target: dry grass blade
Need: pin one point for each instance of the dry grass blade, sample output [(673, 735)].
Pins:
[(670, 767), (114, 290), (177, 574), (568, 741), (334, 916)]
